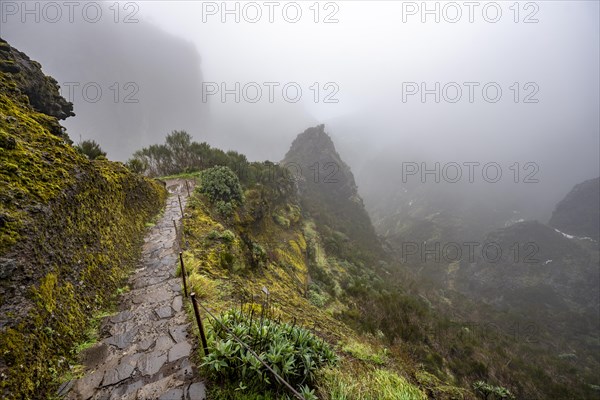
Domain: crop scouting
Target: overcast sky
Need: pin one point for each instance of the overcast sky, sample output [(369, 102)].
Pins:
[(507, 81), (378, 50)]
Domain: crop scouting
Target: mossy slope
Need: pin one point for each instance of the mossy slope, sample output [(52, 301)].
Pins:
[(306, 286), (70, 230)]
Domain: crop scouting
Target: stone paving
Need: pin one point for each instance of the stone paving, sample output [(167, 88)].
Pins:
[(146, 350)]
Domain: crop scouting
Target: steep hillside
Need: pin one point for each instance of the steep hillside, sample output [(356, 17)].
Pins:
[(532, 265), (578, 213), (70, 231), (329, 193), (278, 243), (266, 259)]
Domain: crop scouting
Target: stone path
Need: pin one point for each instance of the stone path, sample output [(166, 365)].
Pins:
[(145, 353)]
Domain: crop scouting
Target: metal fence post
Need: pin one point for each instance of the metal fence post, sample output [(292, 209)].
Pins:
[(200, 326), (183, 273)]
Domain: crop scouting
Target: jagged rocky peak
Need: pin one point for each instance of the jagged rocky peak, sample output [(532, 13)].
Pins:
[(314, 160), (578, 214), (328, 191)]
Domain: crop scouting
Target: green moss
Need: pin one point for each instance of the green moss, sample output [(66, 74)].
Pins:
[(365, 352), (75, 228)]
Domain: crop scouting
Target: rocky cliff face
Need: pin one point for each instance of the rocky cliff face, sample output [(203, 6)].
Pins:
[(329, 192), (578, 214)]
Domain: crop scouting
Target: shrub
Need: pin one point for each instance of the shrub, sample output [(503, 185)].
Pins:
[(136, 165), (293, 352), (220, 184), (213, 235), (224, 209), (90, 149), (227, 236), (316, 297), (202, 286), (281, 221), (259, 255)]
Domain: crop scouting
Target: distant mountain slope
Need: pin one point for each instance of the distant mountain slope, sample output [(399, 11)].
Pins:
[(578, 213), (535, 267)]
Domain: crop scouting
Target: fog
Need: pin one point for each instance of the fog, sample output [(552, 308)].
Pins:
[(516, 84)]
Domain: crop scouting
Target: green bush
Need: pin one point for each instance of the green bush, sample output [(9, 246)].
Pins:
[(227, 236), (220, 184), (224, 209), (90, 149), (293, 352), (213, 235), (259, 255)]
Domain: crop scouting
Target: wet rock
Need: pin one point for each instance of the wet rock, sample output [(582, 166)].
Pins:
[(151, 363), (7, 267), (180, 350), (196, 391), (64, 388), (177, 303), (151, 297), (145, 344), (114, 376), (150, 359), (179, 333), (164, 312), (164, 343), (94, 355), (87, 385), (155, 389), (131, 390), (173, 394), (123, 340), (121, 317), (185, 370)]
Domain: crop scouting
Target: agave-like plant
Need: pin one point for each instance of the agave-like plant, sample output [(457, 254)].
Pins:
[(293, 352)]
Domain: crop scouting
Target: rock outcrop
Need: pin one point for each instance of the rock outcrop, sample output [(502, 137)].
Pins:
[(329, 193)]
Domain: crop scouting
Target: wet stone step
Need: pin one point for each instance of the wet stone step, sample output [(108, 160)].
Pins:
[(164, 312), (180, 350), (146, 352), (123, 340), (151, 363)]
